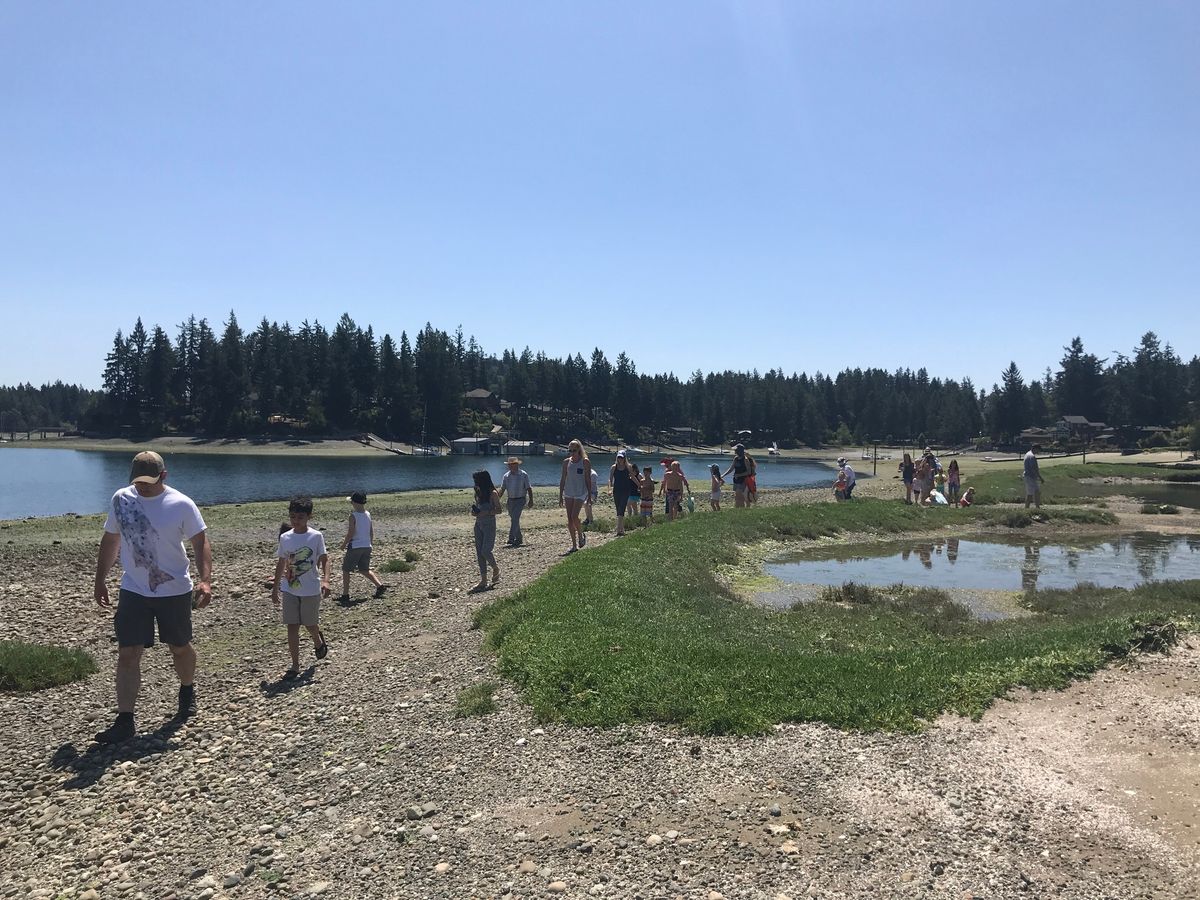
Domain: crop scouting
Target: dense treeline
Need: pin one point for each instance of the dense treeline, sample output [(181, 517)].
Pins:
[(285, 378), (25, 407)]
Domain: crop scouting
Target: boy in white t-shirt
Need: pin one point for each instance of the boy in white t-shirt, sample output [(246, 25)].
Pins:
[(303, 561)]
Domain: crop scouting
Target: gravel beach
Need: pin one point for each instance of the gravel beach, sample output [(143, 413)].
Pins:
[(359, 781)]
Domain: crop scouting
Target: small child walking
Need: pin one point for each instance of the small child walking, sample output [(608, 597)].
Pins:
[(646, 507), (360, 536), (717, 481), (302, 559)]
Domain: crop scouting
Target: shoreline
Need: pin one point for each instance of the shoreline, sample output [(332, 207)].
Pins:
[(329, 446)]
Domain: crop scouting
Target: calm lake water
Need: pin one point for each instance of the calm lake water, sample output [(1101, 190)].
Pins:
[(1001, 565), (53, 482)]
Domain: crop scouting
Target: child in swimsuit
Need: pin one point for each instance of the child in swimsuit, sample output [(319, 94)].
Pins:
[(647, 494), (717, 481)]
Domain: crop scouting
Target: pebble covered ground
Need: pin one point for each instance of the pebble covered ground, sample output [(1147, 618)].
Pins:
[(359, 781)]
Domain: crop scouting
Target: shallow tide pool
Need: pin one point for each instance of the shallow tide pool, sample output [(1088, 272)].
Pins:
[(1005, 565)]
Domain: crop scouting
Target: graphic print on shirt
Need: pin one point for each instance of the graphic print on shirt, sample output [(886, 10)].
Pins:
[(140, 535), (299, 564)]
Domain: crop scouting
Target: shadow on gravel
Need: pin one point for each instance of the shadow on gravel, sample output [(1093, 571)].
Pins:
[(352, 602), (284, 686), (90, 766)]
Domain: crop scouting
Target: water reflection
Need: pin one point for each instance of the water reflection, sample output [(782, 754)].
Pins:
[(1030, 567), (1119, 561)]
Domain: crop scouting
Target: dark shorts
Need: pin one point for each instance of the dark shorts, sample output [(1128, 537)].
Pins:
[(621, 499), (357, 558), (136, 615)]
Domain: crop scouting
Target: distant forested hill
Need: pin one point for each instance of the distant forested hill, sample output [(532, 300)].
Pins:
[(308, 378)]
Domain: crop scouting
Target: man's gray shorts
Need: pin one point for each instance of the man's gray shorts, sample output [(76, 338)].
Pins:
[(357, 559), (136, 615)]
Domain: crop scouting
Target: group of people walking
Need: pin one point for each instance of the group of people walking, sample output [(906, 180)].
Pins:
[(926, 483), (148, 527)]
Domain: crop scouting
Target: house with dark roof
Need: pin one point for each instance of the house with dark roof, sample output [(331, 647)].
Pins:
[(482, 399)]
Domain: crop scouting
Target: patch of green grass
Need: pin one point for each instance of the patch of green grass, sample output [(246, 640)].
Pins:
[(396, 565), (476, 700), (1023, 518), (641, 630), (412, 556), (1063, 482), (1159, 509), (32, 667)]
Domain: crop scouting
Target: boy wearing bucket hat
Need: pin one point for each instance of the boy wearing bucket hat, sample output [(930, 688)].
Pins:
[(360, 536)]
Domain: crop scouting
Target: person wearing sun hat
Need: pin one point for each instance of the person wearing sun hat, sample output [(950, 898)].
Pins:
[(516, 484), (147, 525), (360, 536)]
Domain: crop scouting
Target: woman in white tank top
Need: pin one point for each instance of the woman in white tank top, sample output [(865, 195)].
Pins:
[(574, 487)]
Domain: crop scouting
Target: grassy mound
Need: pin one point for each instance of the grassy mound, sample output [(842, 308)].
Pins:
[(31, 667), (640, 630)]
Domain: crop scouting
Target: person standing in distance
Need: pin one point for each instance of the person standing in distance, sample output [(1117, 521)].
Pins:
[(848, 470), (147, 525), (1032, 475), (742, 467)]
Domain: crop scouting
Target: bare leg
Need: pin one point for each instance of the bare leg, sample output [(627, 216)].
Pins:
[(294, 646), (185, 663), (129, 677), (572, 506), (315, 632), (374, 578), (345, 583)]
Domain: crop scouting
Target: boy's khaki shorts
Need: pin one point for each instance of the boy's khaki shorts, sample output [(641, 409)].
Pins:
[(301, 610)]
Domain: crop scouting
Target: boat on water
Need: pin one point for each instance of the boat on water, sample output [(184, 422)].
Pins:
[(426, 451), (773, 450)]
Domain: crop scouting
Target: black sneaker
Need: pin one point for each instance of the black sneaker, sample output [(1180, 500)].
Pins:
[(345, 598), (118, 732), (187, 704), (323, 650), (380, 591), (291, 675)]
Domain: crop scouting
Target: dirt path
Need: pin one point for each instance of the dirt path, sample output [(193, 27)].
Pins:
[(360, 782)]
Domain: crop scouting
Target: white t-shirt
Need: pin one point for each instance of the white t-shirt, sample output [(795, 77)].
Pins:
[(362, 529), (152, 531), (302, 551), (849, 474)]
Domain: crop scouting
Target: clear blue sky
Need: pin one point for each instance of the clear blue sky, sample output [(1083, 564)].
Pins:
[(710, 185)]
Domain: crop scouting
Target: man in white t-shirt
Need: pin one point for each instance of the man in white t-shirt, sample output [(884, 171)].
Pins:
[(147, 525)]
